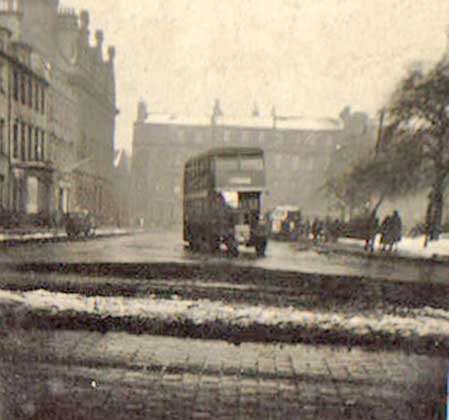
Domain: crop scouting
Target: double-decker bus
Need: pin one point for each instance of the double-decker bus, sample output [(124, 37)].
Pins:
[(222, 200)]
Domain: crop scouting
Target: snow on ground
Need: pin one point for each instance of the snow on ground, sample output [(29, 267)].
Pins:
[(420, 322), (412, 247), (55, 234)]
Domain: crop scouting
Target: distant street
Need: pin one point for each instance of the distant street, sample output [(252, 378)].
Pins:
[(167, 246)]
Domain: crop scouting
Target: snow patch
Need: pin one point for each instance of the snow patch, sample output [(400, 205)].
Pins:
[(422, 322)]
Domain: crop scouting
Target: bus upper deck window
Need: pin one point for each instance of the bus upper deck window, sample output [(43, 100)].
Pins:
[(224, 164), (252, 164)]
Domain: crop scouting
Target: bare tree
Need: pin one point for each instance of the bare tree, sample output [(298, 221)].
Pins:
[(418, 125), (368, 182)]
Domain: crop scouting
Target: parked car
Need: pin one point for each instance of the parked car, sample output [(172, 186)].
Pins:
[(285, 222), (79, 223)]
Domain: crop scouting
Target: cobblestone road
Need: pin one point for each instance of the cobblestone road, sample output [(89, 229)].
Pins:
[(120, 376)]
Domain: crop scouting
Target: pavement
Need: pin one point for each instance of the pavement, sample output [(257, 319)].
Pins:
[(137, 377), (42, 234), (410, 249)]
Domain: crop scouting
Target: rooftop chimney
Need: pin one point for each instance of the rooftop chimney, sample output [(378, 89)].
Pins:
[(111, 54), (99, 38)]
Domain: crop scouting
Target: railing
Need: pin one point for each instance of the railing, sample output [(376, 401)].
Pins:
[(9, 6)]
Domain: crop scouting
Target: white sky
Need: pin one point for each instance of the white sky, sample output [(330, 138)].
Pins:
[(306, 57)]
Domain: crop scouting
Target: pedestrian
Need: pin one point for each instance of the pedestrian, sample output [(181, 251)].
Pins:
[(336, 229), (307, 228), (315, 228), (371, 229), (385, 233), (396, 229)]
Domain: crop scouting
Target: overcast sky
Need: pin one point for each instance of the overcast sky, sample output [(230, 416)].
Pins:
[(306, 57)]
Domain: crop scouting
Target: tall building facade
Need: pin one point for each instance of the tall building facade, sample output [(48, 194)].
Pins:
[(299, 153), (25, 170), (64, 114)]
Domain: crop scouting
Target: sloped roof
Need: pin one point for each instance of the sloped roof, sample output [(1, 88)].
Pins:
[(261, 122)]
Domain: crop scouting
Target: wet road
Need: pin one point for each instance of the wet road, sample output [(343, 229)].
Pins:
[(167, 246)]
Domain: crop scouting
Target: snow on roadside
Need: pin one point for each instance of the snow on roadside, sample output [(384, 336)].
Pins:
[(422, 322), (412, 247)]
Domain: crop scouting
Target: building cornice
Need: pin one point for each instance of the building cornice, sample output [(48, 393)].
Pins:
[(23, 67)]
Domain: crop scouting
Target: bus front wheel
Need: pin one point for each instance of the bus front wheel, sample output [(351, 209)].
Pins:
[(232, 248), (261, 246), (214, 243)]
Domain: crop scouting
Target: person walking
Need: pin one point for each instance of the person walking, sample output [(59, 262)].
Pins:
[(396, 229), (385, 233), (371, 229), (315, 228)]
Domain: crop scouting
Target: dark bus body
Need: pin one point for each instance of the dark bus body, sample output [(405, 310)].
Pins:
[(222, 200)]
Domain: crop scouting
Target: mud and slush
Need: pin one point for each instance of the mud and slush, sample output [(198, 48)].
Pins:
[(230, 303)]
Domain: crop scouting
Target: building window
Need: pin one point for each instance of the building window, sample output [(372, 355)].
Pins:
[(43, 151), (16, 85), (30, 143), (278, 162), (199, 137), (36, 97), (2, 135), (15, 152), (2, 189), (295, 163), (30, 92), (82, 147), (227, 136), (279, 137), (23, 141), (23, 89), (36, 143), (43, 101), (2, 81)]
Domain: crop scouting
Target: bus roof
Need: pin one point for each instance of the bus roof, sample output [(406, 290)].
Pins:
[(287, 208), (227, 151)]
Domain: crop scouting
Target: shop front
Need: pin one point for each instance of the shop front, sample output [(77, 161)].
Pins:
[(31, 195)]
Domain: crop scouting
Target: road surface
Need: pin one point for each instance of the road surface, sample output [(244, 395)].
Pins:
[(80, 374), (167, 246)]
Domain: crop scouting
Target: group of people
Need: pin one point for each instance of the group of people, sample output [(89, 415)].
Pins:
[(328, 229), (367, 228), (390, 231)]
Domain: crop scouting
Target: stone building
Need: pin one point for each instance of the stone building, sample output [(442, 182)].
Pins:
[(25, 170), (299, 154), (79, 98)]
